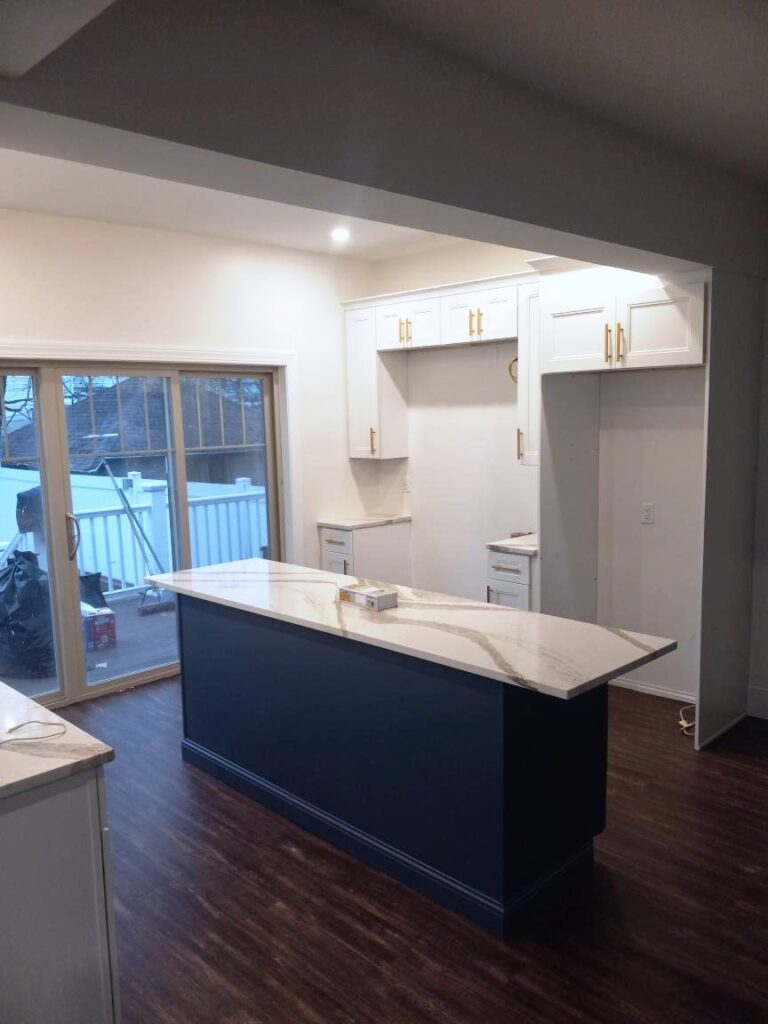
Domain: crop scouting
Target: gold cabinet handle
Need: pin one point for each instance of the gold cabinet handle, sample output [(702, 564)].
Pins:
[(501, 567), (471, 323), (619, 342), (400, 331), (607, 343), (519, 443), (373, 441), (479, 322), (408, 332), (332, 540)]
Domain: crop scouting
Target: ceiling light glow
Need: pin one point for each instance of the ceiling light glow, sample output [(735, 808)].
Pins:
[(340, 235)]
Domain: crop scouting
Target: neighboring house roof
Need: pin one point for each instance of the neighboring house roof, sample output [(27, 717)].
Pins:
[(130, 418)]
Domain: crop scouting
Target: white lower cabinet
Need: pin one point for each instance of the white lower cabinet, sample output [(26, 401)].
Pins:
[(379, 551), (509, 579), (57, 950)]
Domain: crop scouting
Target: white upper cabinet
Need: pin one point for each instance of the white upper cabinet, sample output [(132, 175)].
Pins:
[(377, 392), (496, 313), (487, 314), (661, 327), (458, 315), (651, 328), (577, 333), (390, 326), (414, 323), (422, 323)]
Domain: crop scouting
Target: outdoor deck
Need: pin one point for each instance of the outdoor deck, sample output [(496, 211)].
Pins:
[(143, 641)]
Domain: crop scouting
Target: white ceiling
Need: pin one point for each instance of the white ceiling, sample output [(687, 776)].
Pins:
[(31, 29), (48, 185), (691, 73)]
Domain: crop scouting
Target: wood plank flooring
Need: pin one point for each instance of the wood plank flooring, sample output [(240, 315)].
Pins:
[(227, 914)]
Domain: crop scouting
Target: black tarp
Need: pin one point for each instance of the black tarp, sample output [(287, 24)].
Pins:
[(26, 629)]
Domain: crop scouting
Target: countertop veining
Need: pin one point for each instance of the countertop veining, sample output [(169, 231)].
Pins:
[(29, 763), (559, 657)]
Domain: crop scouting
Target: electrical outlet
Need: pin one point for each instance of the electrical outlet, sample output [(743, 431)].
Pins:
[(647, 513), (406, 485)]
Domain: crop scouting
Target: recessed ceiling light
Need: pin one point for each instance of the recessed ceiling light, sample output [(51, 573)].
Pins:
[(340, 235)]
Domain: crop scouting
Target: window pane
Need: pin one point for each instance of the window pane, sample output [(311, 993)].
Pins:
[(227, 481)]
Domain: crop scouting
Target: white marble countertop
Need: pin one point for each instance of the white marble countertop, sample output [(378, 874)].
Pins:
[(361, 522), (29, 763), (527, 544), (555, 656)]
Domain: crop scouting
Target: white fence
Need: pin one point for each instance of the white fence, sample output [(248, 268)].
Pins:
[(124, 546)]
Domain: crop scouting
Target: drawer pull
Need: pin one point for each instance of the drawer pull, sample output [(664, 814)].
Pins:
[(331, 540), (500, 567)]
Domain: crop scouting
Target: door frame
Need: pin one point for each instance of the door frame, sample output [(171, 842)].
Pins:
[(57, 496)]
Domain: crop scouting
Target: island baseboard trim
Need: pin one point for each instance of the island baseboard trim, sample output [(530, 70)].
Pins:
[(497, 917), (431, 882)]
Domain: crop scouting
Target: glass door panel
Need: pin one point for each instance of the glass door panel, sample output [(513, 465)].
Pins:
[(120, 450), (229, 458), (27, 642)]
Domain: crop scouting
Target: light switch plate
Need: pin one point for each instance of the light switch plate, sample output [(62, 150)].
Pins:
[(647, 513)]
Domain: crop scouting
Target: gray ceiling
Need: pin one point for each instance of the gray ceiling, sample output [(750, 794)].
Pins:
[(691, 73), (31, 29)]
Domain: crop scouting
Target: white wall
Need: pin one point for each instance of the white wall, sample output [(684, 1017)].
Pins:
[(451, 263), (69, 287), (649, 577)]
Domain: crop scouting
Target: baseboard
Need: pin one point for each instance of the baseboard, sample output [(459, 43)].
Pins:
[(491, 914), (483, 909), (657, 691), (757, 700)]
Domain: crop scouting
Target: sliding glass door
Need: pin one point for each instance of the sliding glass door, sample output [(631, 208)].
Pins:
[(120, 458), (230, 467), (28, 659), (108, 476)]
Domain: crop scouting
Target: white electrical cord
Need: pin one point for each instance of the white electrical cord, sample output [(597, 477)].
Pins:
[(59, 726), (687, 724)]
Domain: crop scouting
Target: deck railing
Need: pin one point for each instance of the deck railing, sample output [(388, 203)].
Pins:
[(123, 550)]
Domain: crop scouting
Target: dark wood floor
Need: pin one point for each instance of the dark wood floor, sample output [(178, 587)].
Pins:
[(227, 914)]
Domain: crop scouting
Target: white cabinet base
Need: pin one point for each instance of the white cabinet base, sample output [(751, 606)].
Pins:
[(381, 552), (56, 940)]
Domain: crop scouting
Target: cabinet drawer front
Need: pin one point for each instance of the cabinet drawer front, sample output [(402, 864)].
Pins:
[(335, 541), (339, 562), (510, 595), (514, 568)]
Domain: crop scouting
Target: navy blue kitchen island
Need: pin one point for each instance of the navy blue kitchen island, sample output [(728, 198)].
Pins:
[(473, 787)]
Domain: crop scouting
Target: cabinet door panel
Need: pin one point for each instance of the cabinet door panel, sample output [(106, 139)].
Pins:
[(497, 313), (528, 376), (423, 323), (661, 327), (362, 384), (510, 595), (573, 335), (390, 327), (455, 318)]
